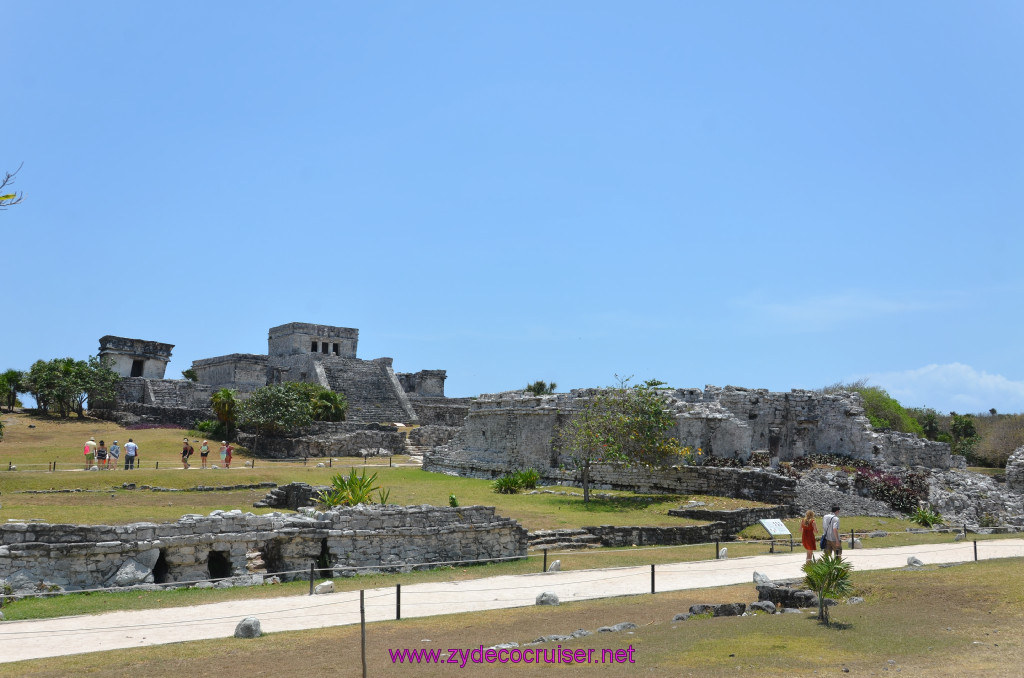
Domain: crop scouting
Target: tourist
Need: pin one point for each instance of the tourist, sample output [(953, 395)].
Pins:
[(101, 455), (115, 455), (131, 450), (186, 452), (204, 452), (809, 534), (830, 532), (89, 452), (227, 454)]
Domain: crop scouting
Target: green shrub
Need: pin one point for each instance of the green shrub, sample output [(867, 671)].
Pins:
[(882, 410), (453, 500), (927, 518), (211, 428), (350, 491), (527, 479), (828, 576), (507, 484)]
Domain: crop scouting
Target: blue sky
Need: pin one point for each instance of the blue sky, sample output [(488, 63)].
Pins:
[(777, 195)]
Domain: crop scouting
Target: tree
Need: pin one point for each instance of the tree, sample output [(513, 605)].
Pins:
[(66, 384), (828, 577), (328, 405), (274, 409), (882, 410), (190, 374), (12, 382), (9, 199), (627, 424), (964, 434), (225, 406), (540, 388), (101, 381)]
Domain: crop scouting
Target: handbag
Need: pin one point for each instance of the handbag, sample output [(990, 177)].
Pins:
[(823, 543)]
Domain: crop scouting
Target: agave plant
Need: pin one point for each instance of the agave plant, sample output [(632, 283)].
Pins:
[(507, 484), (351, 490)]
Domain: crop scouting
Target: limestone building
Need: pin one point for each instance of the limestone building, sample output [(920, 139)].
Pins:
[(303, 352)]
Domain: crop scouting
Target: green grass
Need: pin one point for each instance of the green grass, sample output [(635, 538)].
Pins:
[(956, 621)]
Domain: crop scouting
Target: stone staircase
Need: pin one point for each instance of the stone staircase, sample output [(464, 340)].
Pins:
[(562, 540), (416, 453)]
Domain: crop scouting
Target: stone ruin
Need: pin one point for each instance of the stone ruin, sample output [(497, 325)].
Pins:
[(238, 548), (304, 352), (516, 430)]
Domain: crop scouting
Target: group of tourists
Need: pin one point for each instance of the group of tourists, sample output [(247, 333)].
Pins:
[(102, 457), (204, 452), (830, 542)]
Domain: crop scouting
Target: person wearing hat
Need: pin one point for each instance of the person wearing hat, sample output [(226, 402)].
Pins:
[(115, 454), (89, 452), (186, 452), (204, 452)]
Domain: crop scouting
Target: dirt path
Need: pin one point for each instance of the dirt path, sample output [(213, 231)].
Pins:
[(21, 640)]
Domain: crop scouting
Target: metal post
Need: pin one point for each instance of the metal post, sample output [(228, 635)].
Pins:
[(544, 567), (158, 466), (311, 578), (253, 463), (771, 549), (398, 601), (389, 461), (965, 530), (54, 466), (362, 630), (716, 549), (330, 462), (652, 577), (975, 550), (304, 460), (851, 539), (9, 465)]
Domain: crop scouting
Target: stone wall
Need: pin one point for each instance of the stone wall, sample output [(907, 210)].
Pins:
[(425, 383), (133, 414), (432, 436), (245, 370), (328, 439), (744, 483), (515, 429), (247, 547), (441, 411)]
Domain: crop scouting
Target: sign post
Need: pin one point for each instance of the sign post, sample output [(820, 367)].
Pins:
[(776, 528)]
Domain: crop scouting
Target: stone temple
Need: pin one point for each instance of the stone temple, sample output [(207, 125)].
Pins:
[(296, 352)]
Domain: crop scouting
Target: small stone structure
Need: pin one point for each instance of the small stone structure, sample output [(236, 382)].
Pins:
[(244, 548), (135, 357), (329, 439)]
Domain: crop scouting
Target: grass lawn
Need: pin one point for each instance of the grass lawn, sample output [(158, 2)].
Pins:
[(954, 621)]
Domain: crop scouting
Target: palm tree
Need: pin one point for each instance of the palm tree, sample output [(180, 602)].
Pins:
[(540, 387), (327, 405), (828, 576), (225, 406)]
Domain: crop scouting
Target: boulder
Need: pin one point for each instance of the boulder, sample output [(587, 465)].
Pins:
[(723, 554), (914, 561), (701, 609), (131, 572), (764, 606), (248, 628), (761, 578), (547, 598), (621, 626), (555, 566), (324, 587), (682, 616), (729, 610)]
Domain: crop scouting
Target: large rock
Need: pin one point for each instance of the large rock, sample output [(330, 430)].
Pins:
[(547, 598), (729, 610), (130, 573), (248, 628), (784, 596), (764, 606)]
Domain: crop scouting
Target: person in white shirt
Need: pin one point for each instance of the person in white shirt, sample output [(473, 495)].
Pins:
[(830, 530), (131, 450)]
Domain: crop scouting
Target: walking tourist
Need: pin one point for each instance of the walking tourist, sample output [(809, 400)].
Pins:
[(114, 455), (830, 532), (227, 454), (186, 452), (131, 450), (89, 452), (809, 534)]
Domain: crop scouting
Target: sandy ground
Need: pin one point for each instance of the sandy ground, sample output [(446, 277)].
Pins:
[(21, 640)]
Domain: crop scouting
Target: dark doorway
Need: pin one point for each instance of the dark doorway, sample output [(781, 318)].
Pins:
[(137, 366), (160, 569), (218, 565), (323, 562), (273, 561)]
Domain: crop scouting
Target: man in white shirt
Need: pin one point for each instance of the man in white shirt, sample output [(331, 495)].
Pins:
[(830, 529), (130, 450)]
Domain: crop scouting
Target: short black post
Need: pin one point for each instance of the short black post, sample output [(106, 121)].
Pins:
[(716, 549), (330, 462), (791, 544), (9, 465), (544, 567), (158, 466), (652, 577), (398, 601), (965, 530), (975, 550), (310, 578), (362, 630), (851, 539), (253, 462), (304, 460), (54, 466), (389, 461)]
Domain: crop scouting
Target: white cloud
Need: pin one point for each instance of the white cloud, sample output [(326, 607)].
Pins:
[(953, 387), (824, 312)]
